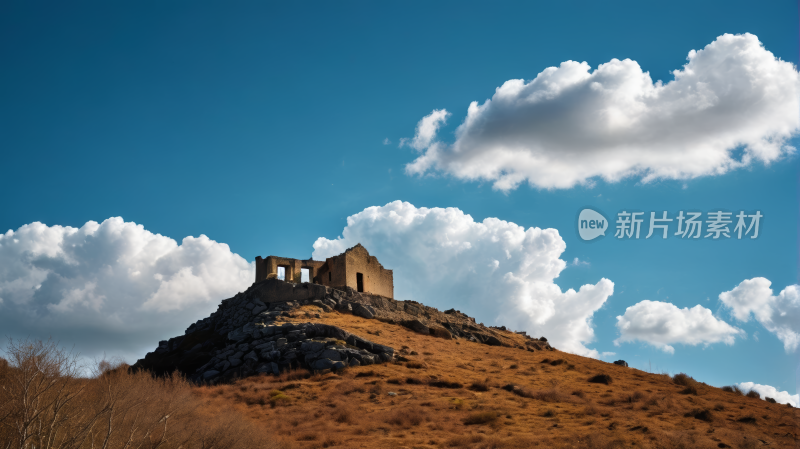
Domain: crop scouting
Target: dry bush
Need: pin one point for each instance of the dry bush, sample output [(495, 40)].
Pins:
[(293, 375), (369, 373), (549, 413), (44, 404), (518, 390), (701, 414), (770, 400), (277, 397), (633, 397), (549, 395), (558, 362), (445, 384), (733, 389), (600, 379), (480, 385), (416, 365), (683, 380), (414, 381), (481, 418), (406, 417), (719, 407), (343, 415), (753, 394)]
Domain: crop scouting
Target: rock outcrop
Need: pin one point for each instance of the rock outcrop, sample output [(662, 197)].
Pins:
[(248, 334)]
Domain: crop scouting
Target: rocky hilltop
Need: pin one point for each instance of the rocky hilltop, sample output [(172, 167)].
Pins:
[(273, 327)]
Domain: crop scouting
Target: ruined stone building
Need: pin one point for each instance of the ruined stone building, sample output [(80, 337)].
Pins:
[(354, 268)]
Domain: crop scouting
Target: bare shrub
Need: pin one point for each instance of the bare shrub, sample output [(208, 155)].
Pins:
[(753, 394), (634, 397), (770, 400), (406, 417), (558, 362), (518, 390), (549, 395), (701, 414), (484, 417), (445, 384), (464, 440), (683, 380), (601, 379), (45, 404), (480, 385)]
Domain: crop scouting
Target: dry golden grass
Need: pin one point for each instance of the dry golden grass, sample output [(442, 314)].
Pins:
[(45, 403), (463, 394)]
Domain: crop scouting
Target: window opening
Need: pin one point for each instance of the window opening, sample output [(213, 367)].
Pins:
[(305, 275)]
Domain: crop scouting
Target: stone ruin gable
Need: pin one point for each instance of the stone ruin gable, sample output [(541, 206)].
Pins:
[(354, 268), (375, 279)]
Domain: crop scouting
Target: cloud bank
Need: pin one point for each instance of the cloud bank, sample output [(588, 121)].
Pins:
[(494, 269), (778, 314), (112, 284), (663, 324), (570, 125), (767, 391)]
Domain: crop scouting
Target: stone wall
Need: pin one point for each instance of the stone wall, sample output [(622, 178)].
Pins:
[(338, 271), (377, 280), (265, 267)]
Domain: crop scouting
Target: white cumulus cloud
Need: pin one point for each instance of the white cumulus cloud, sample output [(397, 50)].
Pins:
[(426, 130), (570, 125), (112, 286), (767, 391), (663, 324), (494, 270), (779, 314)]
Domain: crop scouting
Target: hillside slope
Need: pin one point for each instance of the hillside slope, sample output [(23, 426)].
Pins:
[(458, 393)]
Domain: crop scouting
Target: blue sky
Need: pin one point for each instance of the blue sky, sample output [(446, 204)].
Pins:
[(262, 126)]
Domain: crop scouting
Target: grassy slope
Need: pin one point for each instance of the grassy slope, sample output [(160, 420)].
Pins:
[(556, 406)]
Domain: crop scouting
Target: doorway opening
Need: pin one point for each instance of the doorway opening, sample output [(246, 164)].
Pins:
[(305, 275), (360, 282)]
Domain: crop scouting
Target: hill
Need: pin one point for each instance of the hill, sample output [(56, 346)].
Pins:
[(357, 370)]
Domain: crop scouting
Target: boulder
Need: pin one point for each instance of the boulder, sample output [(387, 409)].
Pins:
[(322, 364), (417, 326), (440, 332), (364, 311), (621, 363)]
